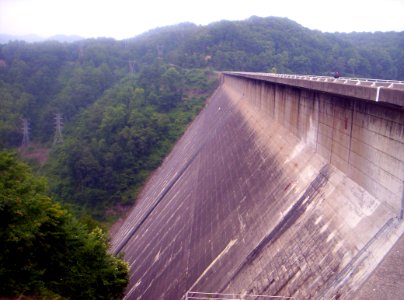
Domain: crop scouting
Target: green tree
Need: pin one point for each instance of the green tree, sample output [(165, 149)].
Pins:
[(44, 250)]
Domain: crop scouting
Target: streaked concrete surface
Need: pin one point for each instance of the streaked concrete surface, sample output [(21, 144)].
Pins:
[(273, 190), (387, 281)]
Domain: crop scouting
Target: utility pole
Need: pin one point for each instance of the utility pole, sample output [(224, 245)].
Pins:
[(58, 138), (25, 133)]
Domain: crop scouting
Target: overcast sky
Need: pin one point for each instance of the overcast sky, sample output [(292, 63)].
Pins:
[(127, 18)]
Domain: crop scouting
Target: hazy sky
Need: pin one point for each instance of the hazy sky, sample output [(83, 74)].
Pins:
[(127, 18)]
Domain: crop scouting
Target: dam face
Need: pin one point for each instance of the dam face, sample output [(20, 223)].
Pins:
[(274, 189)]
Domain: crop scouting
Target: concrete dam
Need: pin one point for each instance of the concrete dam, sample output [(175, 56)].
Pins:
[(288, 186)]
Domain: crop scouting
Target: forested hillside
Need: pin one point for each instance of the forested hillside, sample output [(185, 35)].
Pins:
[(275, 44), (124, 103), (118, 124)]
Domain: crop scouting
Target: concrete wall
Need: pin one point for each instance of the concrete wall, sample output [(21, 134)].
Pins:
[(273, 190), (363, 139)]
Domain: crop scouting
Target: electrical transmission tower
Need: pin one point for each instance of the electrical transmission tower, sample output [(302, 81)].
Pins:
[(58, 138), (25, 133), (132, 65)]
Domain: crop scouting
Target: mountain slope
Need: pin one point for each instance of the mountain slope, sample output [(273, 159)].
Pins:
[(265, 44), (133, 98)]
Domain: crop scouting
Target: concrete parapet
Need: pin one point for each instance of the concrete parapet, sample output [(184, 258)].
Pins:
[(391, 92)]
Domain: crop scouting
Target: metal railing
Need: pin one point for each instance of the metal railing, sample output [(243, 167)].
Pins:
[(220, 296), (342, 80)]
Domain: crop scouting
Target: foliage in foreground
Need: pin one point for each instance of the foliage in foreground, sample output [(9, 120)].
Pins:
[(44, 250)]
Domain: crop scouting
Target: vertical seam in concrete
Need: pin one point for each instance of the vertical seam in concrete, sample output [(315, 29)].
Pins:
[(332, 130), (262, 94), (350, 134), (318, 116), (298, 113), (402, 203), (274, 88), (285, 121)]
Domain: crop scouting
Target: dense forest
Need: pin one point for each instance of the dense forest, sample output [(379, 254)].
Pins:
[(123, 104), (275, 44), (45, 252), (117, 124)]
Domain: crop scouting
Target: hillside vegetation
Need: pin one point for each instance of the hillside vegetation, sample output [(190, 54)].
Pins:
[(125, 103), (267, 44), (45, 251)]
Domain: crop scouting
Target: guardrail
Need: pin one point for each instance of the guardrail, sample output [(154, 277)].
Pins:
[(397, 84), (388, 91)]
